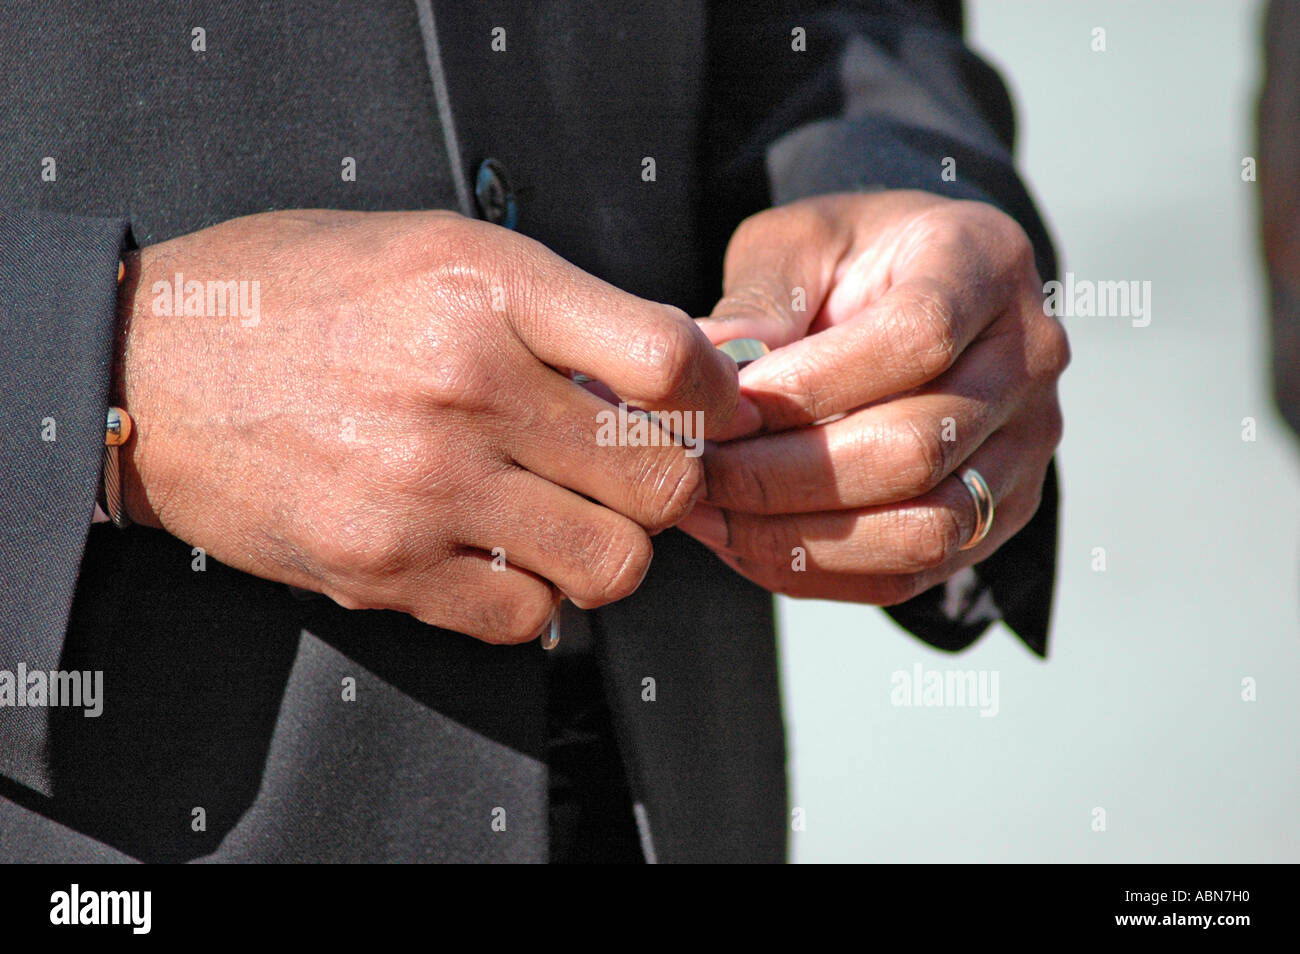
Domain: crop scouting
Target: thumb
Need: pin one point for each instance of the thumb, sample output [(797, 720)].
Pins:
[(780, 264)]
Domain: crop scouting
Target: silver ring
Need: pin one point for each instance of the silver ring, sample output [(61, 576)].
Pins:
[(984, 509), (551, 635)]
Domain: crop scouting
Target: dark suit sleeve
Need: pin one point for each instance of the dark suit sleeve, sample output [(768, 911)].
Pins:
[(1279, 198), (881, 97), (58, 293)]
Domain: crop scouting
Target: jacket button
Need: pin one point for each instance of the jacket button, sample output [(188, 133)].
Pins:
[(496, 200)]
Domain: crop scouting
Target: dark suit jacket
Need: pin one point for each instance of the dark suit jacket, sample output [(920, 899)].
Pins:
[(222, 691)]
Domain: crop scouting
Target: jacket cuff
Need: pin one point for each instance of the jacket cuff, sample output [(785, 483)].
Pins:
[(58, 282)]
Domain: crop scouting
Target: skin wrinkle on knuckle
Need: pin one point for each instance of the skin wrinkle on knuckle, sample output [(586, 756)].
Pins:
[(663, 486), (666, 356), (923, 457), (604, 558), (799, 385), (629, 559), (930, 327), (678, 490), (928, 537)]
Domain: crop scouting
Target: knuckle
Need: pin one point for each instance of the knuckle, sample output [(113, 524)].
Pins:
[(929, 536), (927, 326), (668, 355), (521, 619), (921, 457), (949, 224), (455, 376), (673, 490), (362, 547), (969, 224), (802, 390), (1056, 349), (618, 567), (446, 257)]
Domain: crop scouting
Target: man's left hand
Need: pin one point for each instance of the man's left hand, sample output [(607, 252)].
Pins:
[(909, 341)]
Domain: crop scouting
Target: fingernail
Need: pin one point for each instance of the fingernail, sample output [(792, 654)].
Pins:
[(706, 523)]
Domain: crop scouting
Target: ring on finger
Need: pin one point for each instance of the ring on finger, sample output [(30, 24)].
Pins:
[(978, 487)]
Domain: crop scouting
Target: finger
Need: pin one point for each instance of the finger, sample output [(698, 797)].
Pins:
[(593, 555), (891, 451), (953, 272), (473, 593), (877, 590), (572, 438), (779, 266), (915, 536), (652, 355), (1035, 435), (907, 339)]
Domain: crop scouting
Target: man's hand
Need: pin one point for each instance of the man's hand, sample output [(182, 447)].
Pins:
[(920, 321), (394, 416)]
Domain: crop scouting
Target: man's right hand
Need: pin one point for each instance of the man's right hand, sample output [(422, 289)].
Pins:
[(395, 414)]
